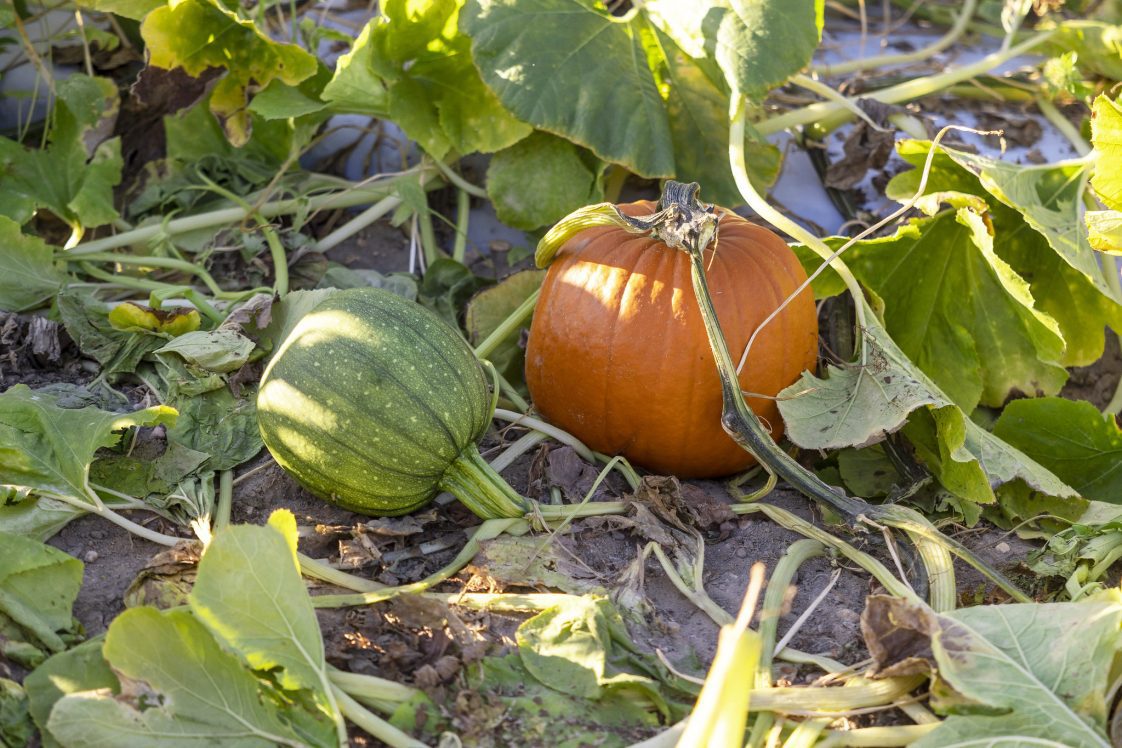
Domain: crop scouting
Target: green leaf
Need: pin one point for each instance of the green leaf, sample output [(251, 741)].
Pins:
[(36, 517), (698, 110), (74, 176), (249, 594), (447, 287), (1106, 136), (199, 34), (49, 449), (29, 273), (355, 88), (1097, 45), (1035, 214), (134, 9), (1028, 674), (221, 351), (867, 472), (220, 424), (857, 405), (854, 406), (280, 100), (959, 312), (527, 50), (567, 646), (490, 307), (1104, 230), (81, 668), (342, 277), (508, 706), (1072, 439), (16, 727), (186, 691), (87, 321), (38, 586), (541, 179), (758, 44), (413, 66), (581, 647)]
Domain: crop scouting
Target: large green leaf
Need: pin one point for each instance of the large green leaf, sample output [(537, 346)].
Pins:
[(249, 594), (650, 90), (489, 308), (38, 586), (414, 66), (80, 668), (570, 68), (29, 272), (199, 34), (187, 690), (74, 176), (134, 9), (1097, 45), (541, 179), (1035, 214), (49, 449), (1072, 439), (959, 312), (758, 44), (355, 88), (698, 110), (1106, 135), (857, 405), (1030, 674)]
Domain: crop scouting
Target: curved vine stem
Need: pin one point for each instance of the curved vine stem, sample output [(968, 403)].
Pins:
[(832, 258), (962, 22), (830, 114), (763, 209)]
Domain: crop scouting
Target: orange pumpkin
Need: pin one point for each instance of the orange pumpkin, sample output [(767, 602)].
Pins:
[(618, 354)]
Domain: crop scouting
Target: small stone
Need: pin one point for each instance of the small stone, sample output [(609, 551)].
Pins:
[(90, 557), (97, 534), (1001, 547), (500, 245)]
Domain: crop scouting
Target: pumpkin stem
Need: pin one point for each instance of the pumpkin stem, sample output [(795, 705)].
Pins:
[(694, 226), (480, 488)]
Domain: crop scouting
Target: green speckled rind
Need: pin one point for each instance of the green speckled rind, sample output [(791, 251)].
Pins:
[(370, 399)]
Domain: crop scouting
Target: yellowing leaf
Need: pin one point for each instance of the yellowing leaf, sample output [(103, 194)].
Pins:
[(198, 34)]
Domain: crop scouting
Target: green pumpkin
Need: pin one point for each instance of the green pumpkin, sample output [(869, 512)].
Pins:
[(375, 404)]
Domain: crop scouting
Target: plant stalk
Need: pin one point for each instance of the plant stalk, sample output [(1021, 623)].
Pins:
[(828, 115), (962, 21)]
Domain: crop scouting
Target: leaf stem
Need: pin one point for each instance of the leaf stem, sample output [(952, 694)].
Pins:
[(225, 499), (346, 198), (757, 203), (1063, 124), (451, 175), (489, 530), (463, 214), (546, 428), (358, 223), (169, 263), (120, 520), (372, 723), (506, 328), (962, 22), (796, 555), (829, 115)]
